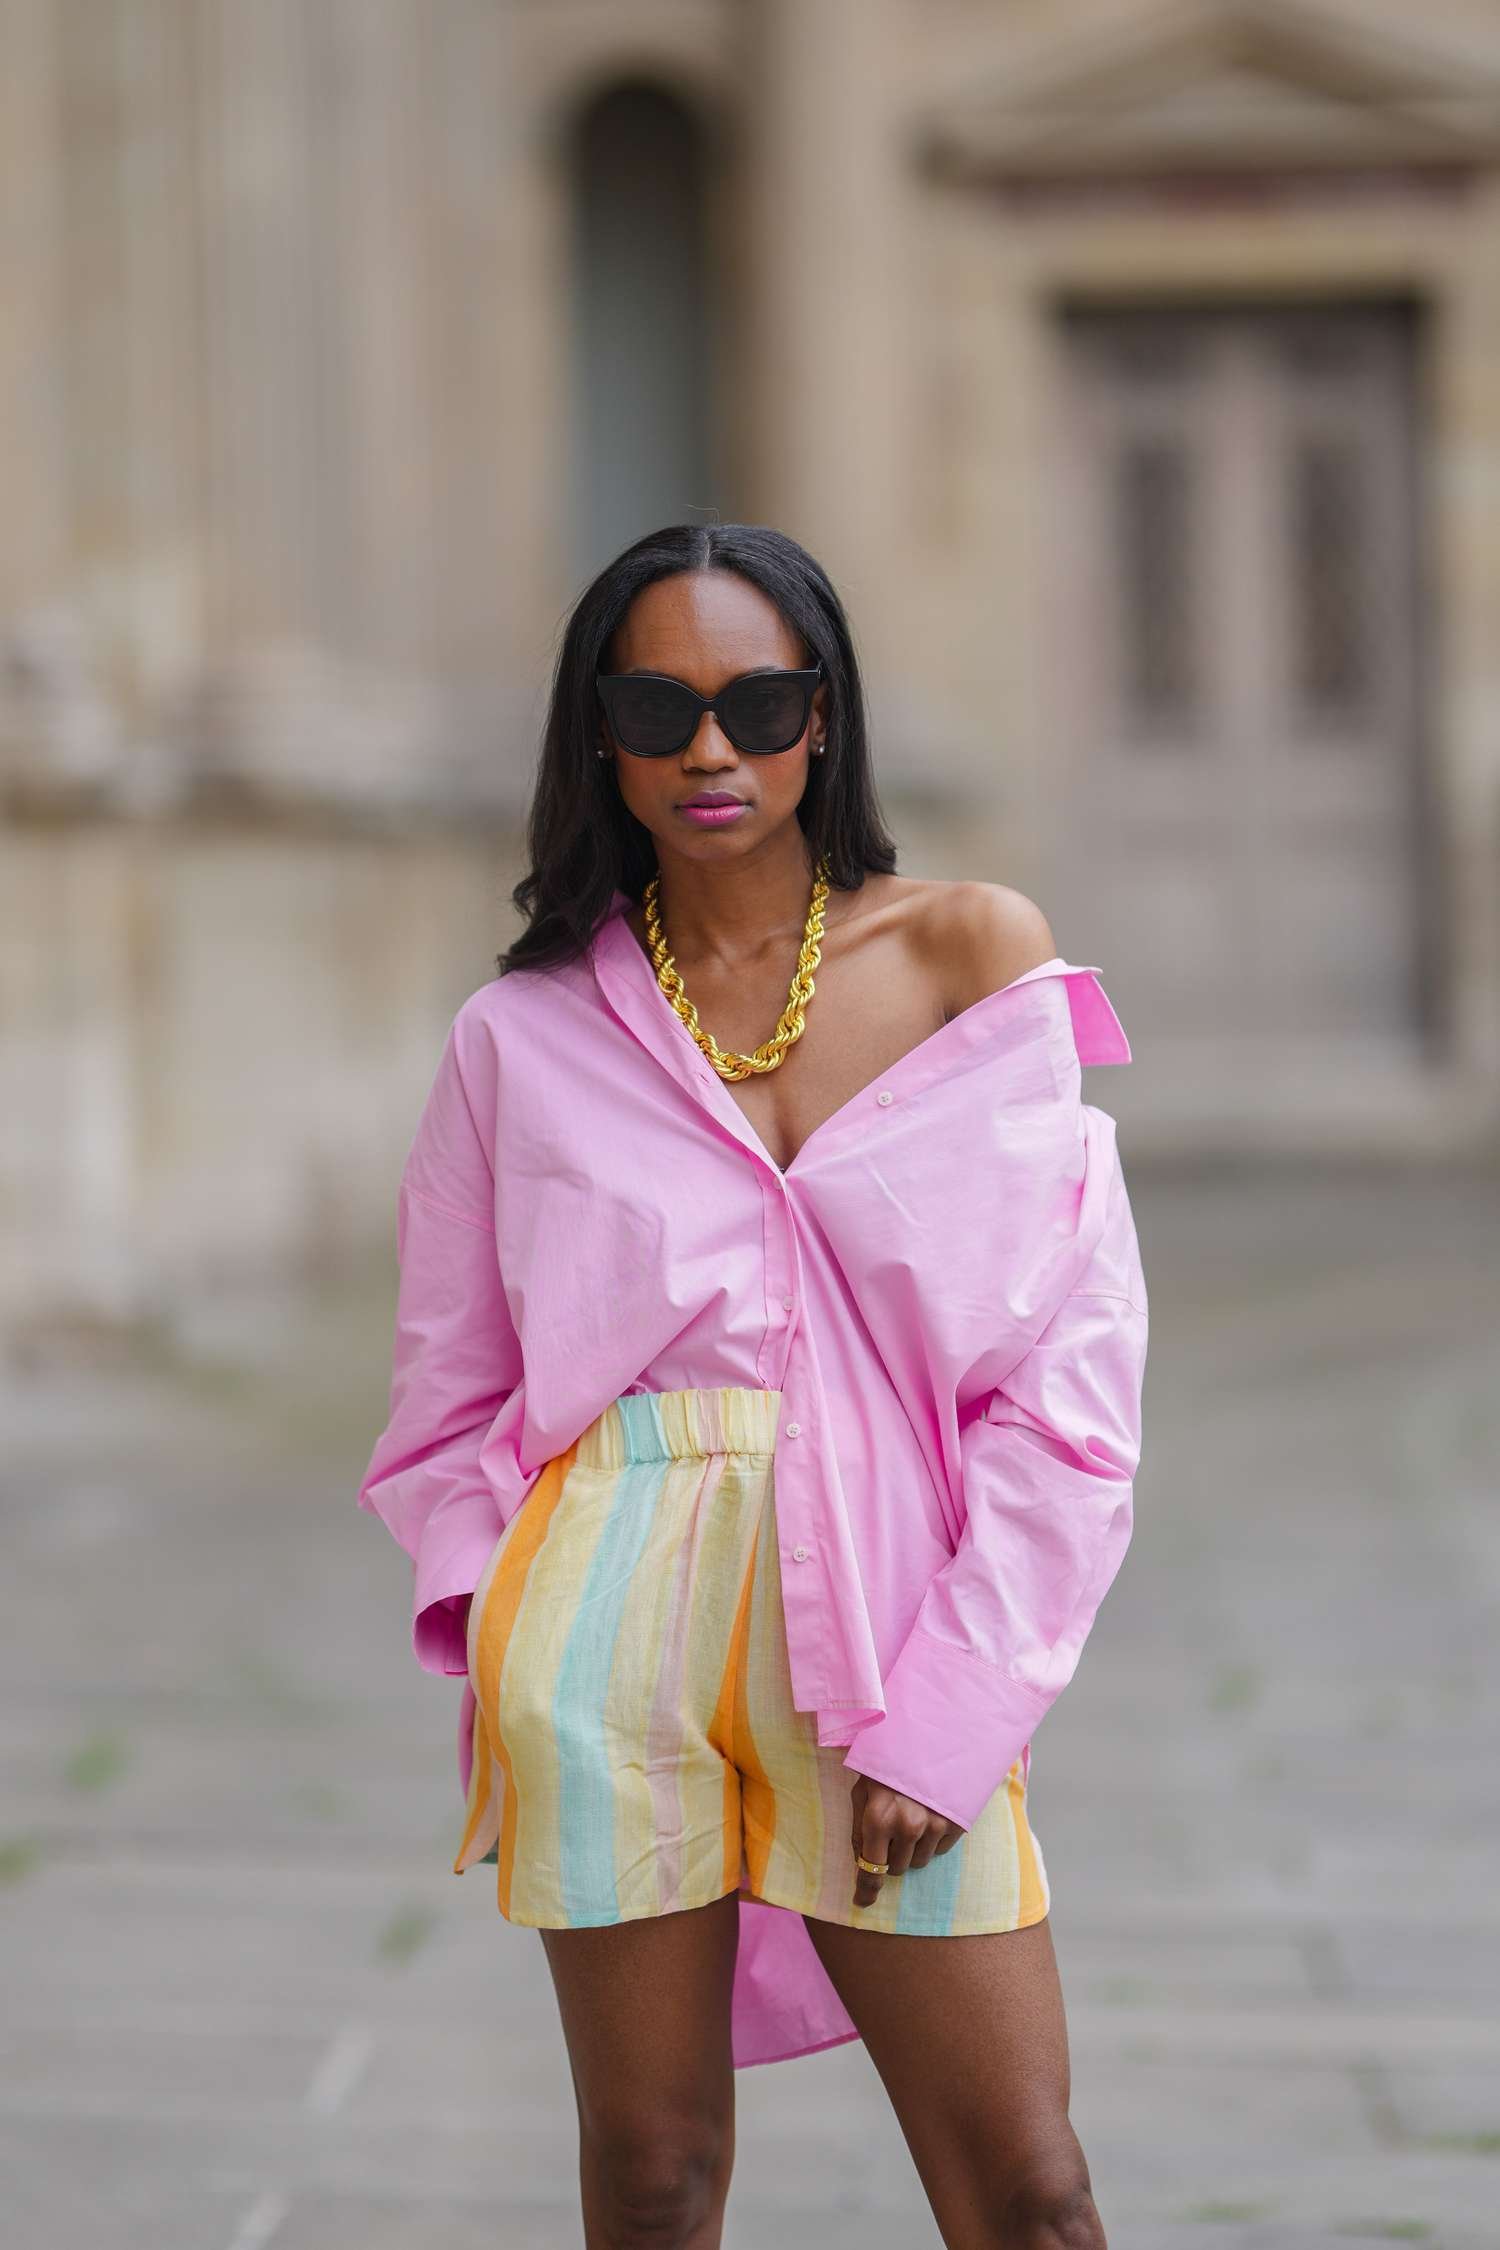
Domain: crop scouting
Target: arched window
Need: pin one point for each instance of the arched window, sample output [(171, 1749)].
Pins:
[(643, 363)]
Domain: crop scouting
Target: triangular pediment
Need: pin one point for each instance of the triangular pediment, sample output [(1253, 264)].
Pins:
[(1223, 84)]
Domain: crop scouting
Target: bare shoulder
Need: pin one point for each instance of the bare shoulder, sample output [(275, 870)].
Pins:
[(980, 936)]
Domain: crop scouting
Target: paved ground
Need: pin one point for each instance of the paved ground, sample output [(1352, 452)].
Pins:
[(248, 2004)]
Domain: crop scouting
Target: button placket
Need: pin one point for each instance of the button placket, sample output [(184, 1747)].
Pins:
[(780, 1273), (796, 1499)]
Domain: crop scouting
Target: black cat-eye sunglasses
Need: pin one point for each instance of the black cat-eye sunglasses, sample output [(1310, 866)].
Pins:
[(652, 715)]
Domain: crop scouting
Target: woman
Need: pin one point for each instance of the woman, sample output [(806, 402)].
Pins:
[(765, 1411)]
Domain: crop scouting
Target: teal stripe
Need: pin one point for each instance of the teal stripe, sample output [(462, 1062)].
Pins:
[(586, 1808), (641, 1426), (929, 1894)]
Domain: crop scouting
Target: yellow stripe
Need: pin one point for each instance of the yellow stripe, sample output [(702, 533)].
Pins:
[(1033, 1901), (476, 1839), (652, 1622)]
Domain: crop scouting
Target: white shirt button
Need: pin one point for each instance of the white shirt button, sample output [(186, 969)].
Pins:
[(787, 1303), (794, 1429), (799, 1554), (885, 1099)]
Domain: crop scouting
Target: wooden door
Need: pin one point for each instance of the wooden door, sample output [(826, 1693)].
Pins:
[(1235, 671)]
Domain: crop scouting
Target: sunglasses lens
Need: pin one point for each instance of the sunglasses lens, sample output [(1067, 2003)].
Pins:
[(651, 716), (654, 717), (765, 714)]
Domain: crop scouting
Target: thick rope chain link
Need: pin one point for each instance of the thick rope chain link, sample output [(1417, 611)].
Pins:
[(726, 1062)]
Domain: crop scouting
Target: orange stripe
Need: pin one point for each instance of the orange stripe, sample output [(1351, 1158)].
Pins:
[(758, 1798), (502, 1602), (729, 1730), (1032, 1896)]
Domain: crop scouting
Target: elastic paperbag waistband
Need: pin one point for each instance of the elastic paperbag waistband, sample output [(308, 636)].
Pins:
[(681, 1425)]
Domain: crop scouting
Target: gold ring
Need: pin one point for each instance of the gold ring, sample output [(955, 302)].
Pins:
[(870, 1866)]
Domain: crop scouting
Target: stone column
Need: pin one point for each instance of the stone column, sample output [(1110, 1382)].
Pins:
[(33, 536), (825, 276), (1466, 484), (262, 282), (378, 253), (158, 369)]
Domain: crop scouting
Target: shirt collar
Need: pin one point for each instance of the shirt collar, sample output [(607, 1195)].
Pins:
[(628, 982)]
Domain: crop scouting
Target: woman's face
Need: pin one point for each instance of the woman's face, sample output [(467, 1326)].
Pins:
[(705, 627)]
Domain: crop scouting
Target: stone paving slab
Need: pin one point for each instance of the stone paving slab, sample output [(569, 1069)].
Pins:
[(249, 2006)]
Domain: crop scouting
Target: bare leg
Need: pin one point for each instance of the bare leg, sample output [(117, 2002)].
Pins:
[(969, 2037), (645, 2013)]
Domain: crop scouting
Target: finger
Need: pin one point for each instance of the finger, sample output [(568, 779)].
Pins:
[(858, 1797), (941, 1837), (906, 1831), (871, 1843)]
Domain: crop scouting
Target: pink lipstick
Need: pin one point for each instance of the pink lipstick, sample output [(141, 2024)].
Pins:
[(713, 808)]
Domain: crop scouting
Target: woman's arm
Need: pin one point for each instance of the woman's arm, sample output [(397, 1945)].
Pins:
[(1048, 1479), (445, 1473)]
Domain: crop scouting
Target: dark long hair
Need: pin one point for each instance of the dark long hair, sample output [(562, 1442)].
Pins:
[(583, 842)]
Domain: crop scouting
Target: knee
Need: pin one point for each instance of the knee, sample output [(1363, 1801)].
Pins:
[(657, 2189), (1053, 2209)]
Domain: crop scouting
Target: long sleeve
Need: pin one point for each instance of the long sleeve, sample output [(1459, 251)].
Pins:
[(1048, 1468), (445, 1474)]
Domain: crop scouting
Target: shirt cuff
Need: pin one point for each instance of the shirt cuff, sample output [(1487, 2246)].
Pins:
[(455, 1545), (440, 1635), (953, 1728)]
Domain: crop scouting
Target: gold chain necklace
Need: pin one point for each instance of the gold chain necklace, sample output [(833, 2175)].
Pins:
[(729, 1064)]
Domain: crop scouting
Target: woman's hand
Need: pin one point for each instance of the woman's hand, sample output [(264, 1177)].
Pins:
[(895, 1831)]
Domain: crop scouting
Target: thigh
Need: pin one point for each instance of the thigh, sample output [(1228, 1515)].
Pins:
[(970, 2039), (645, 2009)]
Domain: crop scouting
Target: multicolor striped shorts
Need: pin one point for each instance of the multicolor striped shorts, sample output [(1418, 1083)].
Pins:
[(636, 1749)]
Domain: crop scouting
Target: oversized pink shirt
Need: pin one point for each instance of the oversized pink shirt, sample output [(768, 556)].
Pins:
[(944, 1285)]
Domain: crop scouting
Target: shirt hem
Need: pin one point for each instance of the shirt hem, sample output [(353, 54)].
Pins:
[(790, 2054)]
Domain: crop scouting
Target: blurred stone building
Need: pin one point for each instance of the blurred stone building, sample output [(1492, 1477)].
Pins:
[(1135, 369)]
